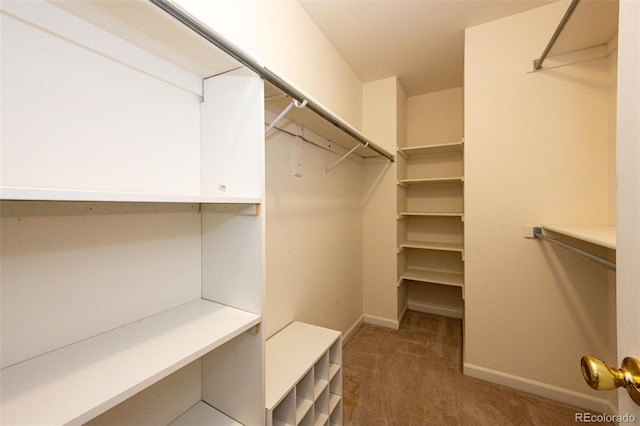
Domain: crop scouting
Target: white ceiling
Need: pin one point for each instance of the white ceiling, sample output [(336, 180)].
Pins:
[(420, 41)]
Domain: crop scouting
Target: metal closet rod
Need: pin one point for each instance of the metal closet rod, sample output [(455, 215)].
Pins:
[(236, 53), (537, 233), (537, 63)]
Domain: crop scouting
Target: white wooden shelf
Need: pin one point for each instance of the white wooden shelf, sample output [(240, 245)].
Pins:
[(78, 382), (204, 414), (428, 181), (402, 215), (54, 194), (455, 279), (604, 236), (415, 151), (425, 245)]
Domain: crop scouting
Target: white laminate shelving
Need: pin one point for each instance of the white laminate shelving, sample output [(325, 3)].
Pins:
[(430, 214), (414, 151), (431, 225), (304, 376), (428, 245), (604, 236), (430, 181), (77, 382), (132, 242), (54, 194), (455, 279)]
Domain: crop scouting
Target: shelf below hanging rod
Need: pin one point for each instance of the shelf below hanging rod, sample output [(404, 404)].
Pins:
[(537, 233), (537, 63)]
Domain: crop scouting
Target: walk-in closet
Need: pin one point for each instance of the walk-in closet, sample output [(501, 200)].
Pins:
[(249, 213)]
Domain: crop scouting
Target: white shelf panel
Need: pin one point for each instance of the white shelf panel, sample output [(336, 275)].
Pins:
[(602, 236), (77, 382), (432, 246), (53, 194), (455, 279), (319, 387), (414, 151), (289, 356), (333, 370), (431, 214), (427, 181), (334, 400), (321, 419), (204, 414)]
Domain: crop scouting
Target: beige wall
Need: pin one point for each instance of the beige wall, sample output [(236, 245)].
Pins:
[(435, 118), (536, 152), (313, 236), (281, 36), (383, 114)]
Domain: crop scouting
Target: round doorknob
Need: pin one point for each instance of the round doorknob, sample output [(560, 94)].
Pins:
[(602, 376)]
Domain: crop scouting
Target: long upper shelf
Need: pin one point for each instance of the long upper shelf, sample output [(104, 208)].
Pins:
[(54, 194), (604, 236), (78, 382)]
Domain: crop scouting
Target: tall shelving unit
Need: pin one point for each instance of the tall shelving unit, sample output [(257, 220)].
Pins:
[(430, 226), (132, 239)]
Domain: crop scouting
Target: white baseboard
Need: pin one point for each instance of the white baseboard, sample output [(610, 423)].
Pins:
[(544, 390), (382, 322), (444, 311), (352, 330)]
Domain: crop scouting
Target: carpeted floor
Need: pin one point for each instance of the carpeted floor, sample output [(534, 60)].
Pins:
[(412, 376)]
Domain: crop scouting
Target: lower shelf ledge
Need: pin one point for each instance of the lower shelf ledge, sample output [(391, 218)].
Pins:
[(78, 382), (204, 414), (455, 279)]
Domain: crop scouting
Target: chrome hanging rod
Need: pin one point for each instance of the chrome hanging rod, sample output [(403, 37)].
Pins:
[(537, 233), (537, 63), (239, 55)]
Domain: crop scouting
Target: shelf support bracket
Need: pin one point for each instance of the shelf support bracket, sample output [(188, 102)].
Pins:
[(285, 111), (341, 159)]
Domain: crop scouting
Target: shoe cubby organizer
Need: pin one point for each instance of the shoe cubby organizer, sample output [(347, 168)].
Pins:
[(304, 376)]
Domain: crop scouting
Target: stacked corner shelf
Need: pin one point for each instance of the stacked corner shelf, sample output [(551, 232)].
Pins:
[(304, 376), (431, 216)]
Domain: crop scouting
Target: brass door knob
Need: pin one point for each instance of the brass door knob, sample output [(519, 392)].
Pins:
[(602, 376)]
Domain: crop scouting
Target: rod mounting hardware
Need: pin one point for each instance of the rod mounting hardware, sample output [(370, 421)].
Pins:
[(285, 111), (537, 63), (341, 159)]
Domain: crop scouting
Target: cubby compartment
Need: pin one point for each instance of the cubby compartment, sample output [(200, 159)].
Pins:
[(308, 419), (285, 413), (336, 413), (321, 375), (321, 408), (304, 391)]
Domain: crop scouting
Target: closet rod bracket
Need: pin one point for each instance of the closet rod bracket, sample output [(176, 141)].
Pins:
[(285, 111)]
